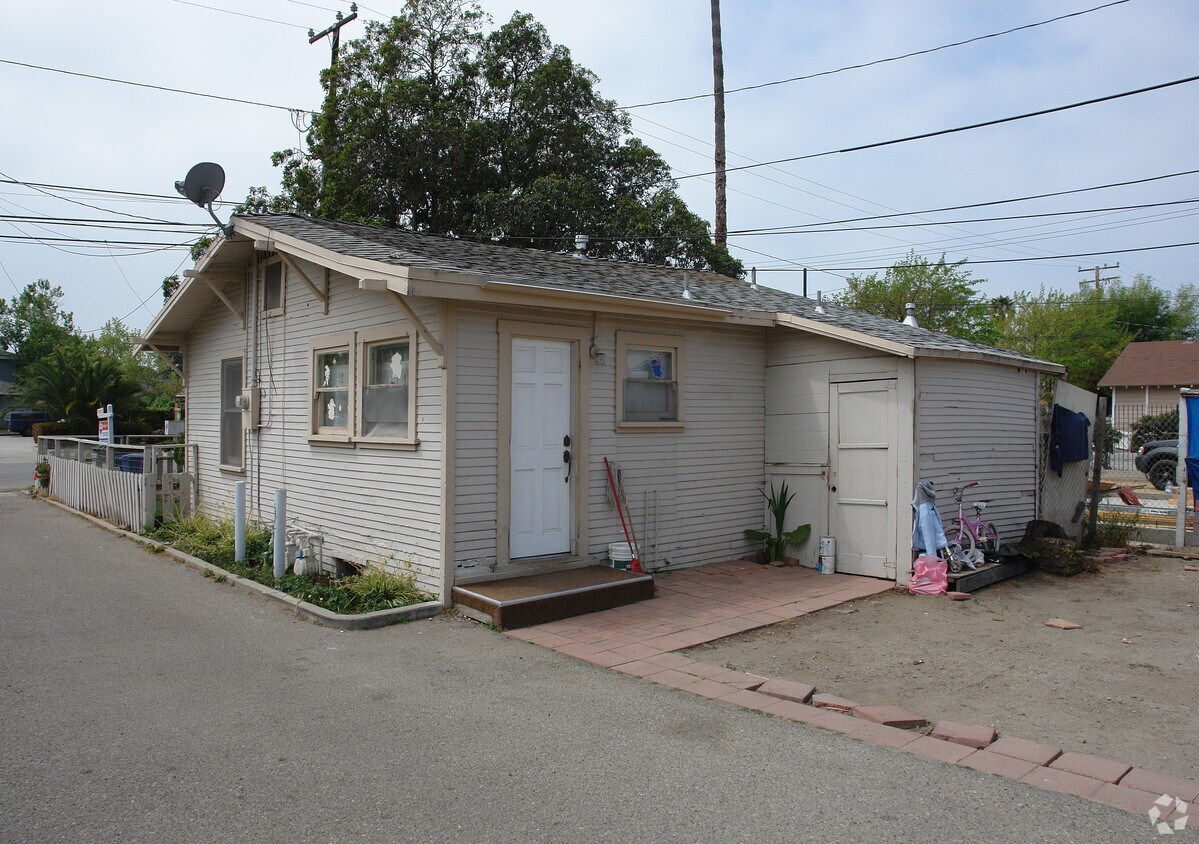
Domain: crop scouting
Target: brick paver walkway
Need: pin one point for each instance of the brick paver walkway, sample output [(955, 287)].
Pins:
[(699, 605)]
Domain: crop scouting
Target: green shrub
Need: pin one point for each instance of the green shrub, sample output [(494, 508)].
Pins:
[(1116, 529), (1162, 426), (212, 540), (384, 589)]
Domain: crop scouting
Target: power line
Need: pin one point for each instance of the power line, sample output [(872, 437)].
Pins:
[(1002, 260), (239, 14), (877, 61), (81, 240), (8, 180), (940, 132), (153, 87), (795, 231), (39, 189), (1025, 198)]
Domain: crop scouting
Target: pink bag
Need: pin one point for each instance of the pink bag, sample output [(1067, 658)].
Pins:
[(929, 576)]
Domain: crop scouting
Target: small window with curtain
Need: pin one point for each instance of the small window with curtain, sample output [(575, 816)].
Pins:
[(332, 389), (649, 382), (231, 415)]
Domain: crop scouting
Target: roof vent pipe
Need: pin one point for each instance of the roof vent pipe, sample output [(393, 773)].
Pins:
[(910, 319), (687, 286), (753, 277), (581, 245), (819, 301)]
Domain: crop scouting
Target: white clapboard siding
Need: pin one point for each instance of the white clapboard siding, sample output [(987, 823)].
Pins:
[(800, 367), (704, 479), (371, 503), (107, 493), (978, 422)]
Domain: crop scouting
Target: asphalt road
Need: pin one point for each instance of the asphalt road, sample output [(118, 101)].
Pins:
[(17, 456), (143, 702)]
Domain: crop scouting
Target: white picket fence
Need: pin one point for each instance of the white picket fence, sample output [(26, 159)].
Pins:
[(129, 485), (116, 496)]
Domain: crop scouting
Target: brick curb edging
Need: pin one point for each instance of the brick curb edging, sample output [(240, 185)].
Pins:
[(338, 621), (1114, 784)]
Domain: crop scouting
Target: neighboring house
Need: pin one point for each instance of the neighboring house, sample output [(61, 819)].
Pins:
[(1146, 377), (8, 377), (449, 404)]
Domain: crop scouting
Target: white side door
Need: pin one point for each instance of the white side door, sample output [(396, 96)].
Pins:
[(864, 476), (541, 398)]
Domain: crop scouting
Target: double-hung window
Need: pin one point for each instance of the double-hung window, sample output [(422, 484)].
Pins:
[(332, 397), (231, 414), (364, 387), (649, 381)]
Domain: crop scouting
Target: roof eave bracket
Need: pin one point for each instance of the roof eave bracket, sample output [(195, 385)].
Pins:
[(381, 285), (220, 294), (322, 296)]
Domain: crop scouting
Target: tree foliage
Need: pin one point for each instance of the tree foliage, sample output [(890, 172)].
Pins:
[(944, 295), (71, 382), (33, 322), (432, 124)]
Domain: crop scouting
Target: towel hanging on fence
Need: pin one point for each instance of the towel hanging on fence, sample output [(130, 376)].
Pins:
[(1068, 442)]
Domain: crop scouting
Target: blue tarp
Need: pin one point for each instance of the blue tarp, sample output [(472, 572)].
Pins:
[(1192, 455)]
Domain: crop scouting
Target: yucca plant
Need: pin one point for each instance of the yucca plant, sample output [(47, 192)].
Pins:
[(776, 543)]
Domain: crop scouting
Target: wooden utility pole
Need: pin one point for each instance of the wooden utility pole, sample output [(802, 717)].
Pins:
[(722, 212), (1097, 269), (335, 31)]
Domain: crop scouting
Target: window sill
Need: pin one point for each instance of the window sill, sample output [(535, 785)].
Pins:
[(394, 445), (232, 470), (273, 312), (650, 427), (330, 439)]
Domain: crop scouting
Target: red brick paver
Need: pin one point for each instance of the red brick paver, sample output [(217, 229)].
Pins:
[(970, 735), (838, 704), (1095, 767), (1062, 781), (942, 751), (994, 763), (1158, 784), (891, 716), (787, 690), (1029, 751)]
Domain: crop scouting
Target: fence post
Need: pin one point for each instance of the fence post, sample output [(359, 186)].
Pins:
[(1090, 535), (149, 492)]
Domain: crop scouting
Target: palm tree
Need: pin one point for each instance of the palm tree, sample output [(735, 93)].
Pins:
[(71, 383)]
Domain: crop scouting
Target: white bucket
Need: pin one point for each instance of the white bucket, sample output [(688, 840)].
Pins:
[(827, 565), (620, 553), (828, 546)]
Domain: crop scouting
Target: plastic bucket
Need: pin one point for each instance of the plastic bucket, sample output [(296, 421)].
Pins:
[(828, 546), (620, 554), (826, 565)]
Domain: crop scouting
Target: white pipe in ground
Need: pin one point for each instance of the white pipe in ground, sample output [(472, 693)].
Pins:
[(280, 538), (239, 521)]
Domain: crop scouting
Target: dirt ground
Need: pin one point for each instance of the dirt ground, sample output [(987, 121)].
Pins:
[(993, 661)]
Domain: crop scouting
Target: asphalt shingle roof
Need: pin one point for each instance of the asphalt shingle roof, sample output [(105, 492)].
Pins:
[(1165, 363), (614, 278)]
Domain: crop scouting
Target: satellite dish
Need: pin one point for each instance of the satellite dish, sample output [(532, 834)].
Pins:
[(202, 185)]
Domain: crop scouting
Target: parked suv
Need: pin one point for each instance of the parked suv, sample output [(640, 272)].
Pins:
[(1158, 460), (22, 421)]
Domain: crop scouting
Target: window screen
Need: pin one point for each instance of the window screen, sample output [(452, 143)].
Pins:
[(272, 287), (231, 419), (386, 395)]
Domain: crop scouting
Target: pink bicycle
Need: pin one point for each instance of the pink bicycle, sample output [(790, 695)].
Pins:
[(972, 541)]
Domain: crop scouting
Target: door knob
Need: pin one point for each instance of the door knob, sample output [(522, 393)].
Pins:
[(566, 460), (566, 441)]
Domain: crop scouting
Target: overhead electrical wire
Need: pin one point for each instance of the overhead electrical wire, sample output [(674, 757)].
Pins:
[(154, 87), (877, 61), (940, 132), (1002, 260), (241, 14)]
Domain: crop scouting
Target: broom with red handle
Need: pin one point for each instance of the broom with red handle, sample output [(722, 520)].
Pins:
[(635, 565)]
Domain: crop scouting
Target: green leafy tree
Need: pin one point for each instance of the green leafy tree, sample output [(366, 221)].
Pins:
[(33, 323), (431, 124), (1080, 331), (1149, 313), (944, 295), (157, 383)]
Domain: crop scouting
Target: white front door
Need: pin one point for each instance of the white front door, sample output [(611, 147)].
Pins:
[(864, 476), (541, 398)]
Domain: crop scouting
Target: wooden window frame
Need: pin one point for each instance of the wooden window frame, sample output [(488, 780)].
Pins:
[(281, 309), (631, 340), (239, 467), (323, 345), (381, 335)]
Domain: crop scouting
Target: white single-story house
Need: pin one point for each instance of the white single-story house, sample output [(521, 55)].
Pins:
[(448, 405)]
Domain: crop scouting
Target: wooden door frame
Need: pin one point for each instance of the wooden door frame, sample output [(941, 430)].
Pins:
[(578, 337)]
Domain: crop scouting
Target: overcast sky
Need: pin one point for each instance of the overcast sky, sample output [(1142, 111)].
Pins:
[(74, 132)]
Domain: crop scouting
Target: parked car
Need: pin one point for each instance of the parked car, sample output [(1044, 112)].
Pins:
[(22, 421), (1159, 461)]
